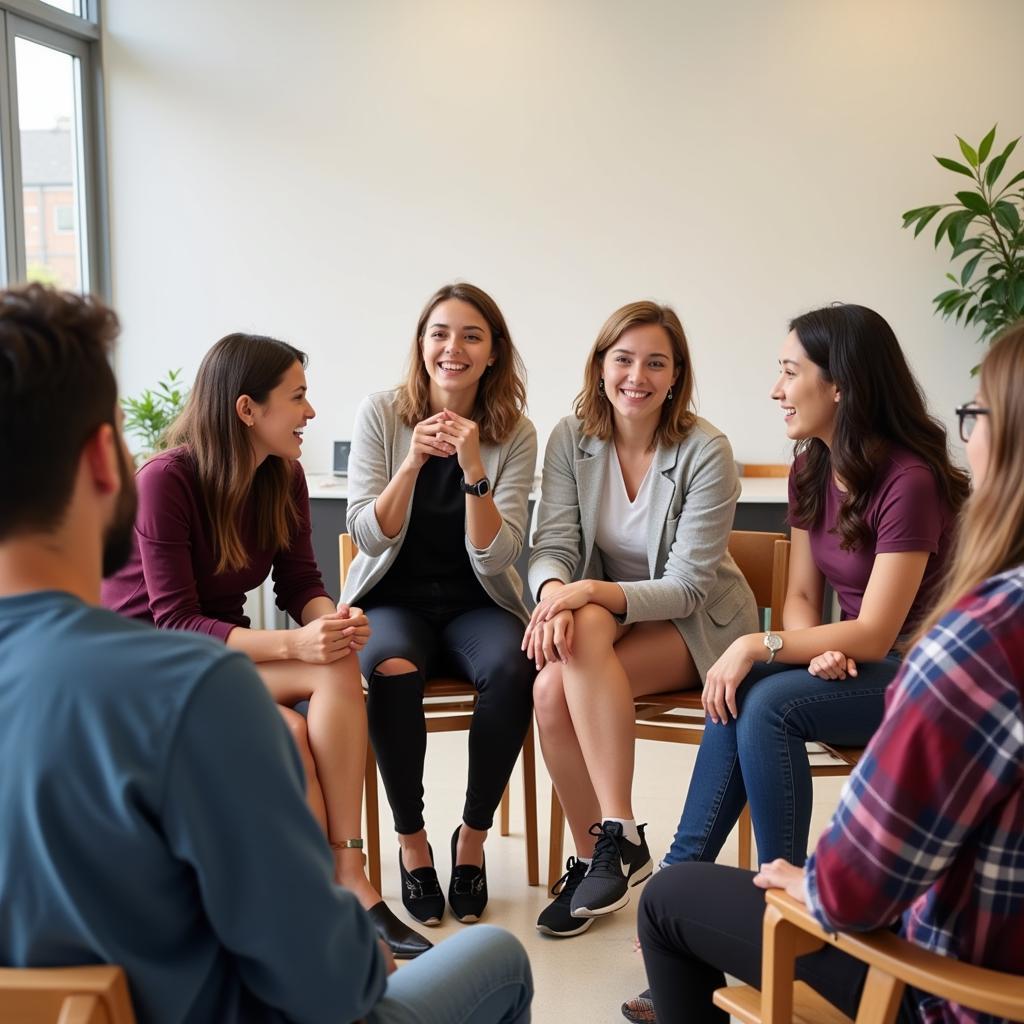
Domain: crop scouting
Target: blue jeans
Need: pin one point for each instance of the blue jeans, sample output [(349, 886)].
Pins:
[(760, 757), (480, 976)]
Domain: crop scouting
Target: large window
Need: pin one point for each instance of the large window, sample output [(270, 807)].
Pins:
[(53, 226)]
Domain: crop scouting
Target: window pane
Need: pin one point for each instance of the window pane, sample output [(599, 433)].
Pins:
[(71, 6), (49, 117)]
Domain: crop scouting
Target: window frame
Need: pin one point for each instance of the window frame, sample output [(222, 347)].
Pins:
[(79, 37)]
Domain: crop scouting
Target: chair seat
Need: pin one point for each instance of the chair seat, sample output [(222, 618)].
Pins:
[(744, 1003)]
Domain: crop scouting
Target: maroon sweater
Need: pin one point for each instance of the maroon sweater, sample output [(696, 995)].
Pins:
[(170, 580)]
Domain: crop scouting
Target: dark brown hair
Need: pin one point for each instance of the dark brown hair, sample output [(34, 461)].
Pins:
[(209, 427), (677, 414), (56, 390), (880, 404), (501, 393)]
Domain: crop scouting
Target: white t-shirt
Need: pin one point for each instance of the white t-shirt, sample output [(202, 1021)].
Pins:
[(622, 525)]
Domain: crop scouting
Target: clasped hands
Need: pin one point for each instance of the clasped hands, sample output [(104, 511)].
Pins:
[(445, 434), (328, 638), (549, 633)]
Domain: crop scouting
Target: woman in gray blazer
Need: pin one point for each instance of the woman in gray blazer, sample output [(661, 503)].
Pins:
[(637, 593), (439, 481)]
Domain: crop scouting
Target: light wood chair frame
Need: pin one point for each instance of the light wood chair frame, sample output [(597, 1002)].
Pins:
[(790, 930), (95, 994), (448, 705), (678, 716)]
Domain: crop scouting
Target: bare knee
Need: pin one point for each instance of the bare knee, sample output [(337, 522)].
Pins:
[(297, 727), (594, 631), (549, 695), (394, 667)]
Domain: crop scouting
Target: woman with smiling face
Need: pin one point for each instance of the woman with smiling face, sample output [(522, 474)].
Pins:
[(439, 482), (637, 593), (224, 508)]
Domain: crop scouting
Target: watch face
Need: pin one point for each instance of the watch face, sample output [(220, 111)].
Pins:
[(773, 642), (482, 487)]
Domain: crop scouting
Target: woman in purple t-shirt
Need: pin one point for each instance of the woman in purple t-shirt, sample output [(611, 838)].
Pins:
[(219, 512), (873, 505)]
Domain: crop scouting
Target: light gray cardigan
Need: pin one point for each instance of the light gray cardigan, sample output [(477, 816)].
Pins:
[(380, 442), (694, 581)]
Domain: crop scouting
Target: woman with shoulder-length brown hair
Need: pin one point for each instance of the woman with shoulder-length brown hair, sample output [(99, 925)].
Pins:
[(439, 481), (224, 508), (637, 592)]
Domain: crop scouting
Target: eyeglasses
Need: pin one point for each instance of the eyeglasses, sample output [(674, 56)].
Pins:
[(968, 416)]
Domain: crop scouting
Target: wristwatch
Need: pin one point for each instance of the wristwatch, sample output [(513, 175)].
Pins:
[(774, 644), (480, 488)]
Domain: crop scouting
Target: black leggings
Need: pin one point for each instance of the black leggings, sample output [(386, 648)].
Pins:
[(700, 921), (481, 646)]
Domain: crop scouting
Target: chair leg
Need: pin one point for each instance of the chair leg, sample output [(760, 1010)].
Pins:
[(506, 800), (555, 869), (530, 807), (745, 838), (372, 838)]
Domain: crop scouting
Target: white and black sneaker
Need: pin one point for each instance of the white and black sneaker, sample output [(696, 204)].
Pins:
[(617, 865), (556, 918)]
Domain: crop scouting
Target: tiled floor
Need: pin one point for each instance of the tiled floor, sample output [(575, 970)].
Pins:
[(584, 978)]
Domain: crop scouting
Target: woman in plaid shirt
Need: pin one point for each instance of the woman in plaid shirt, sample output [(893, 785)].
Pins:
[(929, 834)]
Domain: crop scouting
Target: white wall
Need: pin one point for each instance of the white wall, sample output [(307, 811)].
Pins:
[(315, 169)]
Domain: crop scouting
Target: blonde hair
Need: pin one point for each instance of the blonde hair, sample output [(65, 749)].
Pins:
[(501, 392), (991, 537), (677, 413)]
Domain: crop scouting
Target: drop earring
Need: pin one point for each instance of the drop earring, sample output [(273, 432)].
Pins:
[(668, 397), (600, 385)]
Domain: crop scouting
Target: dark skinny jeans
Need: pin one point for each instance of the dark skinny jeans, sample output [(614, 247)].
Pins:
[(481, 646)]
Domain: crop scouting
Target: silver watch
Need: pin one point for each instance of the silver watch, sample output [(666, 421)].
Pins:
[(774, 644)]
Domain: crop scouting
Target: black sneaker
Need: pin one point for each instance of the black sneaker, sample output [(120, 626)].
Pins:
[(556, 918), (617, 865)]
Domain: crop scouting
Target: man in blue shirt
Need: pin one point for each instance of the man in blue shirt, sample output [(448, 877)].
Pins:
[(152, 809)]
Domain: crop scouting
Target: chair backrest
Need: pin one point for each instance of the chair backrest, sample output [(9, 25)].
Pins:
[(763, 558), (66, 995), (347, 551)]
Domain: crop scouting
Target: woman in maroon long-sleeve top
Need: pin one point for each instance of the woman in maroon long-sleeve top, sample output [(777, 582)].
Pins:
[(224, 508)]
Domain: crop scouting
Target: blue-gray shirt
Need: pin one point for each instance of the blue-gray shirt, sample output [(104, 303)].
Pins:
[(152, 815)]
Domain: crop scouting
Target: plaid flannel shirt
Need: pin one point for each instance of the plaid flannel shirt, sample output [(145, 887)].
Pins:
[(930, 825)]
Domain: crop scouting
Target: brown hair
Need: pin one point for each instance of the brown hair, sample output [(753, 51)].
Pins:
[(501, 392), (56, 390), (880, 404), (677, 414), (991, 537), (216, 438)]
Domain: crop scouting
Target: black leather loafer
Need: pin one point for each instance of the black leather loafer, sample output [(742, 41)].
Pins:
[(421, 892), (404, 943), (467, 893)]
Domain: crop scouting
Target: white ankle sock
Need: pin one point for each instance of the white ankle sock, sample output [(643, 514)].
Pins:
[(629, 829), (585, 860)]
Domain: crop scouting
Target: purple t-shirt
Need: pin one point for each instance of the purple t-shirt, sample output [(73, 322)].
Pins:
[(905, 513), (170, 579)]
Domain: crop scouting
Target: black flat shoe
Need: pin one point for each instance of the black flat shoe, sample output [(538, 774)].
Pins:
[(467, 893), (421, 892), (404, 943)]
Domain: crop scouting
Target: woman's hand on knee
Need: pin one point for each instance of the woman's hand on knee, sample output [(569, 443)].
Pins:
[(329, 638), (723, 680), (832, 665), (780, 874), (552, 641)]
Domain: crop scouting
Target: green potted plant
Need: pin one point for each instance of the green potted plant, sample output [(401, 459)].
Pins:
[(985, 225), (148, 416)]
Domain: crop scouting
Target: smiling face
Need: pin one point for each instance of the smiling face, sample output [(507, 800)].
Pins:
[(808, 401), (638, 369), (277, 423), (457, 348)]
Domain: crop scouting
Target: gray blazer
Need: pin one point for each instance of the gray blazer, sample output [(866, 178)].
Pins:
[(694, 581), (380, 441)]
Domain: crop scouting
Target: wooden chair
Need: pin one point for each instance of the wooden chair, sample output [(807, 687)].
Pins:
[(763, 469), (678, 716), (448, 705), (893, 963), (67, 995)]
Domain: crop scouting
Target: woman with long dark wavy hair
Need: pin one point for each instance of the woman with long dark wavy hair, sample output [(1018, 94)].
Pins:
[(224, 508), (439, 482), (929, 832)]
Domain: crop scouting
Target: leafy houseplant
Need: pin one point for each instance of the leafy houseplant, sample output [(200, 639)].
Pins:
[(985, 222), (148, 416)]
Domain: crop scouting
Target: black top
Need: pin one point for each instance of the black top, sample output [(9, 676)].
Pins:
[(432, 571)]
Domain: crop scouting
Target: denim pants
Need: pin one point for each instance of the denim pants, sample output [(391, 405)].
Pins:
[(480, 976), (760, 757)]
